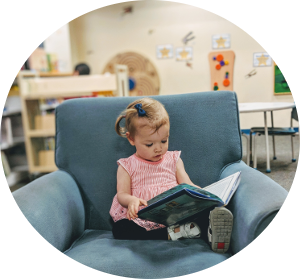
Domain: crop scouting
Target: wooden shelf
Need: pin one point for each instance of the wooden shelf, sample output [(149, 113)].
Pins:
[(41, 133), (38, 127), (43, 169), (59, 87), (54, 74), (44, 74), (34, 96)]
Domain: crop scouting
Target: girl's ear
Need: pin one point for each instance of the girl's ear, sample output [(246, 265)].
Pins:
[(130, 139)]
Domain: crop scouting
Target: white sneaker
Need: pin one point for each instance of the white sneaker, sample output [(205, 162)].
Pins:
[(188, 230)]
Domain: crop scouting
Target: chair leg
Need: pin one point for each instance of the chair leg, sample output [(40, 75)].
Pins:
[(248, 148), (250, 145), (274, 152), (273, 137), (248, 152), (254, 151), (292, 144)]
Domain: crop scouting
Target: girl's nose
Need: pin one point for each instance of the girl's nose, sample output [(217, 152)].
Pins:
[(158, 148)]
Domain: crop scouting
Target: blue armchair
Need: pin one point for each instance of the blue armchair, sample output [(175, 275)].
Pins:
[(70, 207)]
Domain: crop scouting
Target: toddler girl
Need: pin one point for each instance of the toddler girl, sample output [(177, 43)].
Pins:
[(147, 173)]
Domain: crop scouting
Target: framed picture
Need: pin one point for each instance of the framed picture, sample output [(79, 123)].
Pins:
[(281, 87), (184, 53), (262, 59), (164, 51), (221, 41)]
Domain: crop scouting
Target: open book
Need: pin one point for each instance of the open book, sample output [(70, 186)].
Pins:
[(183, 202)]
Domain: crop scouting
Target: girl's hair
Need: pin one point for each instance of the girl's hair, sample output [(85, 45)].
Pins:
[(156, 115)]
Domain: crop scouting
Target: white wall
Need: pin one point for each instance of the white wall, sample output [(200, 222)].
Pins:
[(98, 36), (59, 43)]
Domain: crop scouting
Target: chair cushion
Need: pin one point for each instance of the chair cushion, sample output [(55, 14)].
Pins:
[(143, 258), (274, 131)]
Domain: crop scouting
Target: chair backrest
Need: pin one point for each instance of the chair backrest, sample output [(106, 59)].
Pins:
[(204, 126)]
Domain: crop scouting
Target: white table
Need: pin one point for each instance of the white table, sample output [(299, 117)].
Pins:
[(264, 107)]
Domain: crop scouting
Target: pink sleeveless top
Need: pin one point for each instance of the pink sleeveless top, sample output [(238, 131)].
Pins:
[(148, 179)]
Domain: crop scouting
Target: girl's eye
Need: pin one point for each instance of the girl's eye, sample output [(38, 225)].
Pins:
[(149, 145), (163, 141)]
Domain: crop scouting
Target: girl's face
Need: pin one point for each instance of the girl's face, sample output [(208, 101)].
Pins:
[(150, 146)]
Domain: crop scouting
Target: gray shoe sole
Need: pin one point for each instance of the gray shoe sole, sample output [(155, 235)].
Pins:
[(221, 221)]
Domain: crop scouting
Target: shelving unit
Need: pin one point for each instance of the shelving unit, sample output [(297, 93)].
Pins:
[(39, 127), (13, 153)]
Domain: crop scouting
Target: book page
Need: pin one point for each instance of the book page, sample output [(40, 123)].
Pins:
[(234, 186), (226, 187), (219, 188)]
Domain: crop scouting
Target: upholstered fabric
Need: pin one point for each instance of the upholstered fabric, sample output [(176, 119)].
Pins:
[(54, 207), (143, 258), (204, 126), (70, 207)]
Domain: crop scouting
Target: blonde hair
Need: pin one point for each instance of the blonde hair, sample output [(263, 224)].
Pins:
[(156, 115)]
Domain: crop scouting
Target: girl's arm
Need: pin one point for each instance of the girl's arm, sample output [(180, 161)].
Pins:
[(181, 175), (124, 196)]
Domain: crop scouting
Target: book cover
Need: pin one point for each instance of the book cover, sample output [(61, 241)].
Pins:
[(183, 202), (177, 204)]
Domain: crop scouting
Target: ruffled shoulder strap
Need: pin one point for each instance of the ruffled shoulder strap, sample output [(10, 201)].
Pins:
[(127, 164)]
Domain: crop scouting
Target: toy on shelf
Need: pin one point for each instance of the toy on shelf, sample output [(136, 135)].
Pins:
[(221, 70)]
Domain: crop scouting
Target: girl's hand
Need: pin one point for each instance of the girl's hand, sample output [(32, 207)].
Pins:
[(133, 207)]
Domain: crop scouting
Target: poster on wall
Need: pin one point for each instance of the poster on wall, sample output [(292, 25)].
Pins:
[(221, 41), (164, 51), (184, 53), (221, 65), (281, 87), (262, 59)]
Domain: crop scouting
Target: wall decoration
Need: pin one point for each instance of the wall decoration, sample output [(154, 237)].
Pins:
[(188, 64), (184, 53), (281, 87), (142, 75), (221, 41), (262, 59), (127, 10), (221, 70), (188, 38), (164, 51), (250, 74)]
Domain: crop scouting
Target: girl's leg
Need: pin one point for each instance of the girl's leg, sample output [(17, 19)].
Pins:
[(125, 229), (203, 222)]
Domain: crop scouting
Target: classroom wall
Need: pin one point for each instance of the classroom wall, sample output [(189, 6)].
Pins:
[(59, 43), (98, 36)]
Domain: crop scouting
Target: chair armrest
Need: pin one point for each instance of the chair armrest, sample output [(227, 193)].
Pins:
[(54, 207), (254, 205)]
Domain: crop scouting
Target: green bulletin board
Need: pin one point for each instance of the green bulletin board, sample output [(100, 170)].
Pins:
[(281, 87)]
